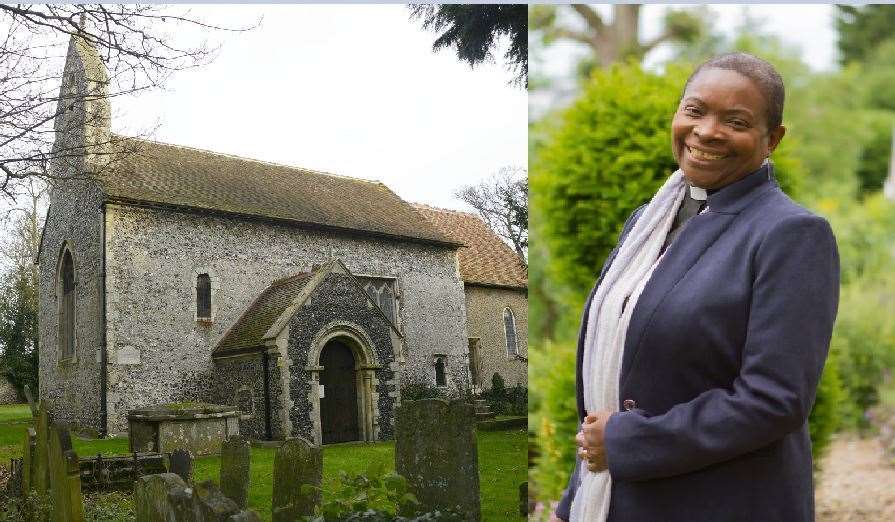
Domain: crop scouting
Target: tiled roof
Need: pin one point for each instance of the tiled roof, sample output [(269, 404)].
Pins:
[(249, 330), (181, 176), (485, 258)]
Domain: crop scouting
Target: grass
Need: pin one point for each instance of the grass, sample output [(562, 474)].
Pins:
[(502, 464)]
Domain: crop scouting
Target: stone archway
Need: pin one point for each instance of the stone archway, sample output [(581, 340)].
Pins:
[(343, 341)]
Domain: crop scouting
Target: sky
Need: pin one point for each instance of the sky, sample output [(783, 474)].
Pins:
[(807, 27), (352, 90)]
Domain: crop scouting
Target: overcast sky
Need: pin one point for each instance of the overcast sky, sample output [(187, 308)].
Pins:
[(353, 90)]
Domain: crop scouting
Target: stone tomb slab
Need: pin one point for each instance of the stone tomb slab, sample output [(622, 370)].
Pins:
[(196, 427)]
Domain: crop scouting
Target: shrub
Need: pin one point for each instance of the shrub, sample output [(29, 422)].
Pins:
[(864, 340), (415, 391), (374, 497), (556, 419), (826, 415)]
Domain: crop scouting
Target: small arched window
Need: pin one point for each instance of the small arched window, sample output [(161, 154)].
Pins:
[(440, 377), (203, 296), (67, 310), (509, 330)]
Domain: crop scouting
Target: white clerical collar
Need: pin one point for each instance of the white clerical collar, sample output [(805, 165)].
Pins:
[(698, 194)]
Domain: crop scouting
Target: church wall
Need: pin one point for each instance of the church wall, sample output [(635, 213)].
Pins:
[(238, 381), (159, 352), (72, 386), (335, 304), (484, 320)]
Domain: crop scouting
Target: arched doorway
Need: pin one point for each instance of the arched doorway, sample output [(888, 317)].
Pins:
[(339, 403)]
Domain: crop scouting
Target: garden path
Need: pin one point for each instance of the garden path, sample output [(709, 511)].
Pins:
[(856, 482)]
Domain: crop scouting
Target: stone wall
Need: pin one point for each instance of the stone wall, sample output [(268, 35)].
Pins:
[(339, 305), (484, 320), (72, 386), (236, 378), (159, 353)]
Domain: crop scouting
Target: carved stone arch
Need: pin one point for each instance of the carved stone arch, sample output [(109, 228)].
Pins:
[(366, 362)]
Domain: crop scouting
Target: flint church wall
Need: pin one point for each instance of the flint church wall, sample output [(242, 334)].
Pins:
[(159, 351)]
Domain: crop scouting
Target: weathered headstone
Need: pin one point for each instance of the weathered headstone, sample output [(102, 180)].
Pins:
[(297, 463), (31, 403), (29, 460), (435, 450), (235, 458), (181, 463), (41, 468), (167, 498), (65, 477), (213, 505), (151, 502)]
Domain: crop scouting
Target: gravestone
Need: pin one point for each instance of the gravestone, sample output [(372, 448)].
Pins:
[(41, 466), (151, 502), (297, 463), (29, 460), (235, 458), (30, 398), (212, 504), (435, 450), (65, 477), (167, 498), (181, 464)]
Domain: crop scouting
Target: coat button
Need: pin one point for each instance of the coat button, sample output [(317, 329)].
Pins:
[(629, 404)]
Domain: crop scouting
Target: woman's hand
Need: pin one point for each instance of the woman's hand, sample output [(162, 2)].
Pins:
[(590, 440)]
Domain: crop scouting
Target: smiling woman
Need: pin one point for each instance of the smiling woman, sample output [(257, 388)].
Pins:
[(697, 362)]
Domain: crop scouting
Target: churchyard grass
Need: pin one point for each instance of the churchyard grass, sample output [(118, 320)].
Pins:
[(502, 465)]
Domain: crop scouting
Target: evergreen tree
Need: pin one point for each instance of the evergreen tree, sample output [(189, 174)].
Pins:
[(473, 28), (861, 29)]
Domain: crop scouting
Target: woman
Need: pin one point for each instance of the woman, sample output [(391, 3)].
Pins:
[(702, 344)]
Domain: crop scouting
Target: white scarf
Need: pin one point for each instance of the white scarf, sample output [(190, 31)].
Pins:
[(607, 326)]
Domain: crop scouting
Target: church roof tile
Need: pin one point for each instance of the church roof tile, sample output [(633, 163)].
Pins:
[(171, 175), (485, 259)]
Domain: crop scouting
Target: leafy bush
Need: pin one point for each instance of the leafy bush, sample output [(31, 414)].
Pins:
[(555, 421), (374, 497), (506, 401), (826, 415), (32, 508), (864, 339), (415, 391)]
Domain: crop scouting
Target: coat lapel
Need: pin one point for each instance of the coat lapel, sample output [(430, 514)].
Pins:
[(699, 233)]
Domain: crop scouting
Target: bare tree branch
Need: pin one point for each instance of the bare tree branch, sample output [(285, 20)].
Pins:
[(135, 45), (502, 203)]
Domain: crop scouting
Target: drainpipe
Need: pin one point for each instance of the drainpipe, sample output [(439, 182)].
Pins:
[(265, 358), (103, 354)]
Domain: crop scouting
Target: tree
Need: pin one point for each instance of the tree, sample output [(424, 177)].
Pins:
[(861, 29), (616, 40), (502, 202), (18, 287), (474, 28), (18, 328), (132, 41)]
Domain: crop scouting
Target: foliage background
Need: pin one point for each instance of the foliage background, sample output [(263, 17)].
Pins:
[(595, 161)]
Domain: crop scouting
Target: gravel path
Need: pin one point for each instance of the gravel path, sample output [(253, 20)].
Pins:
[(856, 483)]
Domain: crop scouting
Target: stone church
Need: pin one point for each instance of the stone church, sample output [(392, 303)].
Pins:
[(171, 274)]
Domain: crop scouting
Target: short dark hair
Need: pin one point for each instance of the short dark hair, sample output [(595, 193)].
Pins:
[(762, 74)]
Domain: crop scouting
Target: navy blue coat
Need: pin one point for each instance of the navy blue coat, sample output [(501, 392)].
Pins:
[(722, 359)]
